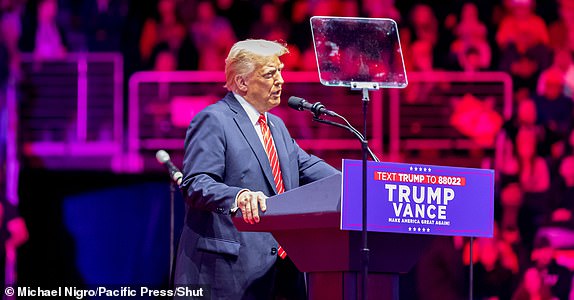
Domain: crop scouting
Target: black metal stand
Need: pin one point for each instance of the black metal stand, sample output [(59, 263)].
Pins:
[(365, 249), (172, 189), (471, 282)]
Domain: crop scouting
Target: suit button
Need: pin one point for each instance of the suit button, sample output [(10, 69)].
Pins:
[(273, 251)]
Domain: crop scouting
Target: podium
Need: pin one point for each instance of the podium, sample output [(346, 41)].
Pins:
[(306, 221)]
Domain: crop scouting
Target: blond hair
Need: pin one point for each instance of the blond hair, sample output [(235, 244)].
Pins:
[(248, 55)]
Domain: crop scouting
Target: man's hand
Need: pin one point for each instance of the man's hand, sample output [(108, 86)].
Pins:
[(249, 203)]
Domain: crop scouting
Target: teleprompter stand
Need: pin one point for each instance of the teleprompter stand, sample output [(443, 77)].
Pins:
[(363, 54)]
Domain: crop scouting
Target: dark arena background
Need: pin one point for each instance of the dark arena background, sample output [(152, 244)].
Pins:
[(91, 89)]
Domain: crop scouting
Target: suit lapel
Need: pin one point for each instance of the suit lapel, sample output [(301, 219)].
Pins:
[(281, 152), (248, 131)]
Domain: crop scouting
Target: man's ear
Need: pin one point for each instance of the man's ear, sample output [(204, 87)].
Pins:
[(241, 83)]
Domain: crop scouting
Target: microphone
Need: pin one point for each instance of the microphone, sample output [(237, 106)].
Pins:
[(174, 173), (316, 108)]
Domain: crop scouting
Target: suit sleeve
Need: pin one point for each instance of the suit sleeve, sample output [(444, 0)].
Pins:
[(204, 165)]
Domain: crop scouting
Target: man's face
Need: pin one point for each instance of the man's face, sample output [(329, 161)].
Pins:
[(264, 86)]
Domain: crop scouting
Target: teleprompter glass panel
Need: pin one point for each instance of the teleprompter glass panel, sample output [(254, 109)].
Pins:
[(358, 50)]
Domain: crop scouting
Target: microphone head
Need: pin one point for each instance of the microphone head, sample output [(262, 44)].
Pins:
[(296, 102), (162, 156)]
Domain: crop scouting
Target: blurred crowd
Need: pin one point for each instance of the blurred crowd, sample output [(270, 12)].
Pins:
[(531, 41)]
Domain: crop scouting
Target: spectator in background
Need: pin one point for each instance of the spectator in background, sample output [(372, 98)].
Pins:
[(524, 60), (13, 233), (470, 59), (557, 277), (534, 178), (292, 59), (10, 31), (422, 56), (558, 31), (564, 63), (104, 23), (567, 14), (163, 26), (318, 8), (348, 8), (70, 19), (469, 24), (419, 57), (527, 117), (507, 164), (470, 47), (445, 17), (301, 36), (308, 60), (476, 118), (493, 279), (523, 40), (166, 28), (532, 287), (240, 14), (510, 200), (42, 35), (271, 25), (325, 8), (186, 11), (521, 20), (163, 59), (381, 9), (563, 215), (554, 109), (406, 40), (213, 36), (184, 58), (424, 24), (440, 270)]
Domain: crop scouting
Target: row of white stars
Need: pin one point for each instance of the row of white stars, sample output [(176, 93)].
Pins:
[(420, 169), (419, 229)]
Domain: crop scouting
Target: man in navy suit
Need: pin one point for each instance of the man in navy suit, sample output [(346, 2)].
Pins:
[(227, 168)]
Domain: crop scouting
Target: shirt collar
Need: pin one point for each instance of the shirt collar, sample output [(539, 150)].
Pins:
[(252, 113)]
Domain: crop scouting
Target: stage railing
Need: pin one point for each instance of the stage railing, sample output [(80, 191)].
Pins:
[(420, 115), (71, 111)]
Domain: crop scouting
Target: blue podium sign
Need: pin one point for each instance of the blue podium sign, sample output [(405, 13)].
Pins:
[(419, 199)]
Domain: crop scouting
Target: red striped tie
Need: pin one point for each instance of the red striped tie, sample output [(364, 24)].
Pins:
[(274, 161)]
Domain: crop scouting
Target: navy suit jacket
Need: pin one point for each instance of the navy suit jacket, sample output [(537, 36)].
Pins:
[(223, 154)]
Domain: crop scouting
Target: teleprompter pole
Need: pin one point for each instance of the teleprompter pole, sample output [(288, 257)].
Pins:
[(365, 249), (365, 87)]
